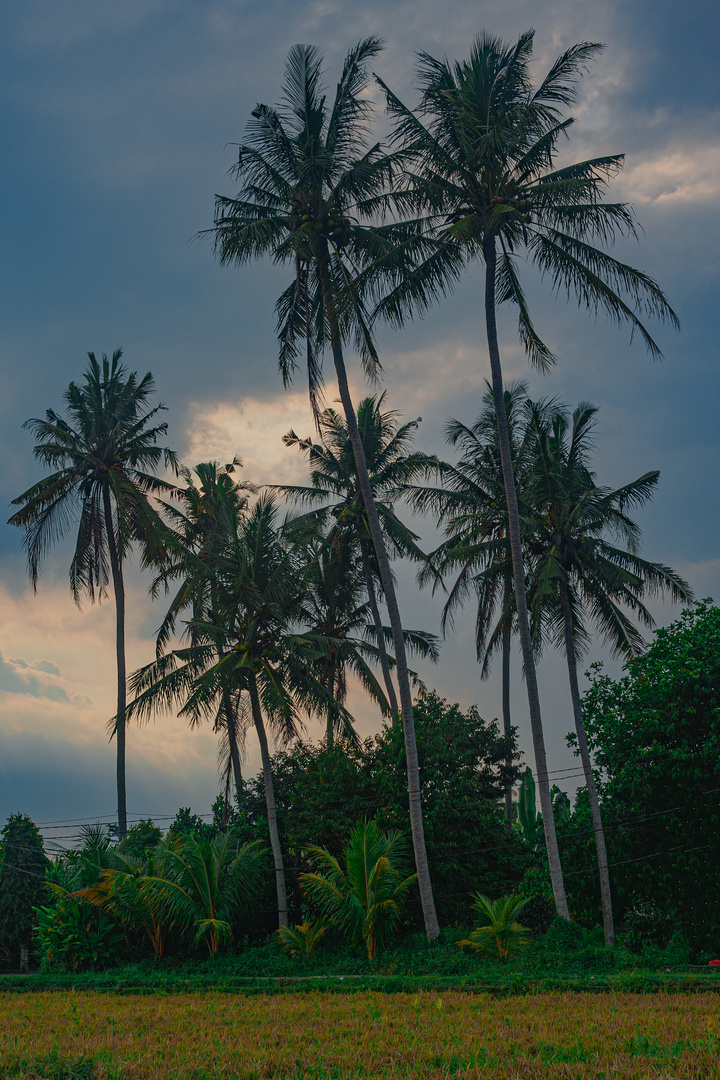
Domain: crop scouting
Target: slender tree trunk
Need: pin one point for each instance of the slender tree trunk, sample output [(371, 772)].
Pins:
[(231, 724), (507, 725), (384, 662), (330, 734), (120, 725), (551, 844), (230, 716), (604, 873), (24, 961), (270, 803), (427, 901)]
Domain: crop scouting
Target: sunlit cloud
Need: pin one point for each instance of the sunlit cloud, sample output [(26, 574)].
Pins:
[(677, 174), (253, 429)]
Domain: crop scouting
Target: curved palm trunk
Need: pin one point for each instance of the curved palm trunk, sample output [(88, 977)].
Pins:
[(120, 724), (384, 662), (507, 724), (269, 802), (427, 901), (551, 844), (604, 873)]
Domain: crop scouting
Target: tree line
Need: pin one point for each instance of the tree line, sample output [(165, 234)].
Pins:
[(276, 612)]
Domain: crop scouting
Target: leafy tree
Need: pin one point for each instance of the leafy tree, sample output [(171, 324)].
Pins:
[(365, 897), (312, 185), (483, 152), (577, 575), (141, 839), (498, 929), (336, 496), (23, 865), (100, 455), (464, 767), (655, 734)]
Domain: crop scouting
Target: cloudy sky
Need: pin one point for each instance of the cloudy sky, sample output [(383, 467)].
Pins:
[(117, 121)]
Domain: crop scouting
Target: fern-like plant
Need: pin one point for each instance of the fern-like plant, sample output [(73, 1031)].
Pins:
[(498, 929)]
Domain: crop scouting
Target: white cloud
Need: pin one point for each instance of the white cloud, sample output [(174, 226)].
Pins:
[(687, 173), (253, 429)]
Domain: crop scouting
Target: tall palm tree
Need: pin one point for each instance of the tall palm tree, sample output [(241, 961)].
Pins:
[(578, 576), (311, 185), (258, 606), (484, 151), (470, 505), (335, 493), (202, 514), (100, 454)]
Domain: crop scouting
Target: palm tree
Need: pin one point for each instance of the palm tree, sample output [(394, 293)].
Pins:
[(483, 164), (310, 184), (364, 899), (258, 606), (100, 454), (335, 608), (335, 493), (498, 930), (577, 575), (129, 889), (470, 505), (207, 883), (202, 515)]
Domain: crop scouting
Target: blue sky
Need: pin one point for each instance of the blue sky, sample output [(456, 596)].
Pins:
[(116, 120)]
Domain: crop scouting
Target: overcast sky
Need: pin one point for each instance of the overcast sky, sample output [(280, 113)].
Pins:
[(116, 125)]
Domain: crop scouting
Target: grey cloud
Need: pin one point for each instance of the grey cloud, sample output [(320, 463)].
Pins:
[(18, 677)]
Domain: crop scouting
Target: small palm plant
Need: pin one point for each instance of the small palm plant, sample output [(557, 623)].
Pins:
[(303, 938), (135, 891), (363, 900), (207, 883), (498, 929)]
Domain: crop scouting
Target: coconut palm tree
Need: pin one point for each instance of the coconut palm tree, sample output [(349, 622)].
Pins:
[(335, 493), (102, 453), (470, 505), (364, 899), (498, 930), (258, 609), (203, 514), (336, 608), (481, 160), (312, 185), (577, 576)]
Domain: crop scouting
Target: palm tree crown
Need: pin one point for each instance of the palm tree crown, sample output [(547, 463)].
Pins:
[(571, 521), (488, 150), (107, 446)]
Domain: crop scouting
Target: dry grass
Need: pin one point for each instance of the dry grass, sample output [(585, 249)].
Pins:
[(74, 1036)]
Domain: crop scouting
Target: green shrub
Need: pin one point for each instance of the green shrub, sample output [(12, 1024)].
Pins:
[(75, 936)]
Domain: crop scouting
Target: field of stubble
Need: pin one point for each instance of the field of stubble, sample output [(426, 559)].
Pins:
[(85, 1036)]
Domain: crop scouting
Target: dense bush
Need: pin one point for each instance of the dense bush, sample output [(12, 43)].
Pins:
[(655, 733)]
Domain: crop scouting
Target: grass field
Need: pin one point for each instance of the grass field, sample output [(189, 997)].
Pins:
[(79, 1036)]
